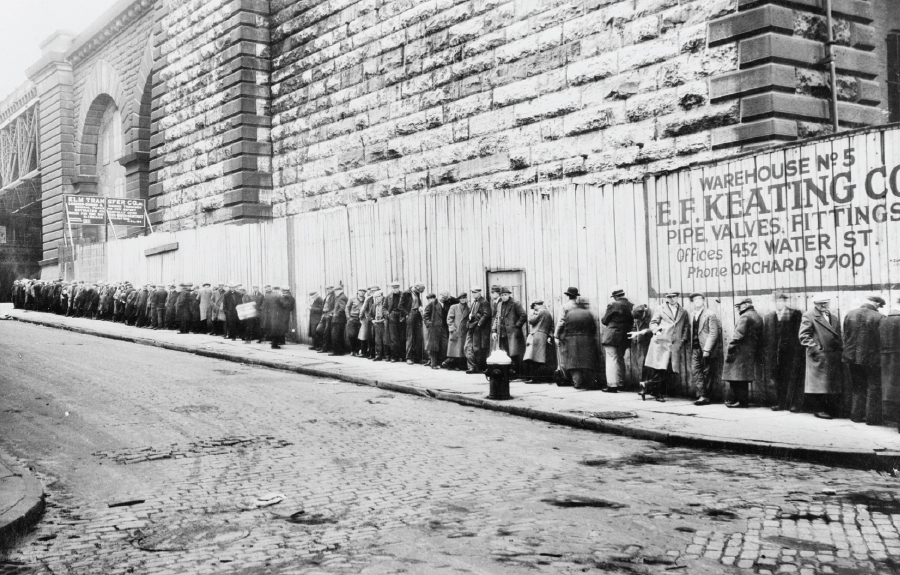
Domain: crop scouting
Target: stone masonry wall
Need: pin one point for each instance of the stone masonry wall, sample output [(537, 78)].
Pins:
[(210, 151), (379, 97)]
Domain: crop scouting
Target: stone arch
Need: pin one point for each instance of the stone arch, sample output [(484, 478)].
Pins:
[(102, 89)]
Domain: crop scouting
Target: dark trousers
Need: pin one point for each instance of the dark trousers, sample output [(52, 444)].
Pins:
[(826, 402), (788, 387), (865, 389), (337, 339), (396, 336), (232, 326), (414, 339), (740, 391), (160, 318), (658, 383), (251, 328), (327, 343), (701, 371), (352, 335), (379, 340), (516, 359)]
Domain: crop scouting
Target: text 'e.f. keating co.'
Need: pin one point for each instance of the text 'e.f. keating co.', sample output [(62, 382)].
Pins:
[(781, 216)]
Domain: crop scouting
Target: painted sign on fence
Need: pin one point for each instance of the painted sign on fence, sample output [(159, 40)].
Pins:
[(818, 217), (85, 210), (124, 212)]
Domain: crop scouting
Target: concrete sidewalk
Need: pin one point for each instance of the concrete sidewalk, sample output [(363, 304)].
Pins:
[(21, 500), (760, 431)]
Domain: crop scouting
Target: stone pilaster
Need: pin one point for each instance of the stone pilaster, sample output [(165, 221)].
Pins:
[(53, 77)]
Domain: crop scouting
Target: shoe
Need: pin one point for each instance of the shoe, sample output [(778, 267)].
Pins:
[(377, 359), (702, 401), (610, 390), (642, 391), (409, 362), (471, 371), (660, 399), (777, 408), (276, 347), (736, 404), (857, 420), (795, 410), (823, 415)]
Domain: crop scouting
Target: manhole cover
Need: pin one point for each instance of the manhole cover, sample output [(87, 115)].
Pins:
[(188, 536)]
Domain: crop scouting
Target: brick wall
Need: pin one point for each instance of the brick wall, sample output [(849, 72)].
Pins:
[(380, 97)]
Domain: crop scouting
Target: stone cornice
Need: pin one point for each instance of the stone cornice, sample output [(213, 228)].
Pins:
[(19, 99), (107, 26)]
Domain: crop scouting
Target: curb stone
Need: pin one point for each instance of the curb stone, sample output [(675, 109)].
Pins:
[(847, 458), (29, 496)]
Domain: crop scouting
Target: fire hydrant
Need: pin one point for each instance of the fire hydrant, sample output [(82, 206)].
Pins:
[(498, 369)]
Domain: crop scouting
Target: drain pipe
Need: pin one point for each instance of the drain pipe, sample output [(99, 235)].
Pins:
[(830, 47)]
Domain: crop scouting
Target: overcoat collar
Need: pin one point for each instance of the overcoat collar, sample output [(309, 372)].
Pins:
[(667, 311), (821, 319)]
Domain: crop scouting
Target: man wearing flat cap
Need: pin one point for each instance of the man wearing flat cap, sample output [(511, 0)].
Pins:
[(617, 320), (862, 354), (353, 311), (316, 305), (396, 322), (785, 362), (889, 339), (413, 306), (376, 311), (457, 327), (820, 334), (324, 327), (478, 332), (706, 347), (506, 327), (665, 355), (744, 353), (339, 322), (539, 352)]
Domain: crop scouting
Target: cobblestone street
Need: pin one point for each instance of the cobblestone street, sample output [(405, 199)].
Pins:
[(161, 462)]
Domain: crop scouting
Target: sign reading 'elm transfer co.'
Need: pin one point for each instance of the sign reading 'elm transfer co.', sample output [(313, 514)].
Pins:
[(124, 212), (85, 210), (816, 217)]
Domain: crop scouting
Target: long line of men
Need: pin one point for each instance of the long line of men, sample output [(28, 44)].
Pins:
[(185, 307), (808, 356)]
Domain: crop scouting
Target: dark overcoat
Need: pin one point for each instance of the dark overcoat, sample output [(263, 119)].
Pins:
[(889, 336), (744, 352), (278, 315), (479, 326), (340, 309), (861, 340), (315, 315), (617, 320), (508, 323), (822, 339), (578, 339), (438, 332)]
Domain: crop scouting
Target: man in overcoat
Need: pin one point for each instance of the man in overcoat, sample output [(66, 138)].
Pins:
[(706, 347), (539, 350), (784, 354), (396, 322), (506, 327), (141, 305), (457, 326), (158, 306), (670, 329), (478, 333), (889, 339), (171, 298), (338, 322), (744, 353), (412, 304), (375, 311), (278, 314), (820, 334), (862, 354), (230, 300), (316, 304), (183, 308), (614, 339), (353, 311), (205, 295), (576, 333), (324, 327)]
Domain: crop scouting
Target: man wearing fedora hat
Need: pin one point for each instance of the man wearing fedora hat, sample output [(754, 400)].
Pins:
[(744, 353), (614, 339), (506, 327), (820, 334), (862, 354), (670, 329)]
